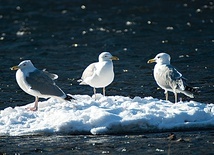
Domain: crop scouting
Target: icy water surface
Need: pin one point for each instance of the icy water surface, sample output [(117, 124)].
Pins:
[(65, 36), (197, 143)]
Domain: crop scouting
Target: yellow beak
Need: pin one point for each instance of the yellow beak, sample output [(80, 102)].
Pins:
[(14, 68), (114, 58), (151, 61)]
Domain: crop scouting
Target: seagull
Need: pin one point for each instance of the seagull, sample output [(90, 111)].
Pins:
[(168, 78), (38, 83), (99, 74)]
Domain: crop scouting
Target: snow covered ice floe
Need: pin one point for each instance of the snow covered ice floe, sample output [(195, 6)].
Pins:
[(107, 115)]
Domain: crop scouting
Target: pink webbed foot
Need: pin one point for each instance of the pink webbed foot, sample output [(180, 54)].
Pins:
[(35, 108)]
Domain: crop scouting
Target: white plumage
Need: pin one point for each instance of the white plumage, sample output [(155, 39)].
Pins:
[(99, 74), (37, 83), (168, 78)]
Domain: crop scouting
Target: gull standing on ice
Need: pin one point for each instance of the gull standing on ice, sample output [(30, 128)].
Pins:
[(168, 78), (37, 83), (99, 74)]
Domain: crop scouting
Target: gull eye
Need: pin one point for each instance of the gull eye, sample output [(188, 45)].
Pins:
[(24, 64), (158, 57)]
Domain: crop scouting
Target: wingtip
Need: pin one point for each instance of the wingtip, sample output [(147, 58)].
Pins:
[(81, 82), (69, 97), (192, 89)]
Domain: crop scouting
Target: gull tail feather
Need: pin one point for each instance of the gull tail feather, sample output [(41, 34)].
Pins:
[(69, 97), (81, 82), (189, 91)]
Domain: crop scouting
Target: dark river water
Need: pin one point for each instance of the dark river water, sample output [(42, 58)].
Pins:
[(65, 36)]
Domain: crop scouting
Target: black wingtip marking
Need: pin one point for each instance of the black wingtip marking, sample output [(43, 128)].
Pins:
[(69, 98), (191, 89)]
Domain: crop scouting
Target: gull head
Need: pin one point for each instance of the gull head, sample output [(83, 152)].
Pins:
[(26, 64), (161, 58), (106, 56)]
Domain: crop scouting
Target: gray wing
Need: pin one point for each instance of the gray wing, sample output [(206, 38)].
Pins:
[(40, 81), (89, 71), (179, 83), (175, 78), (51, 75)]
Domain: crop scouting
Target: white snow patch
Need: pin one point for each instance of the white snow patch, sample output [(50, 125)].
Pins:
[(107, 115)]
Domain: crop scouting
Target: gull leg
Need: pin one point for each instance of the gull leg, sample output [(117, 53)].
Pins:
[(95, 93), (104, 91), (176, 97), (166, 93), (35, 108)]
